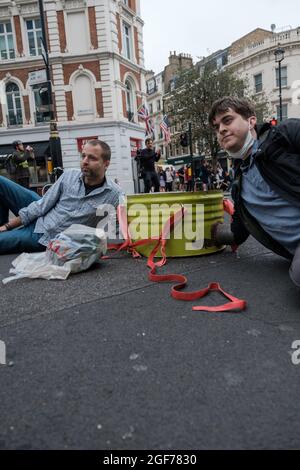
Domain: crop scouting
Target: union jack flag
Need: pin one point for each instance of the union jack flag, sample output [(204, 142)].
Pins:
[(165, 127), (143, 114)]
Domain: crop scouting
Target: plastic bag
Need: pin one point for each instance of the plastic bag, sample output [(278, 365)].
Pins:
[(72, 251)]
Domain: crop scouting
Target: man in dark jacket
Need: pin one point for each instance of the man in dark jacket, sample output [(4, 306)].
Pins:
[(20, 159), (267, 186), (147, 159)]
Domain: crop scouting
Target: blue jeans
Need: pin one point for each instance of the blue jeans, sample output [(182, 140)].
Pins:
[(14, 197)]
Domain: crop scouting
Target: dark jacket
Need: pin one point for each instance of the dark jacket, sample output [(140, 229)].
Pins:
[(20, 159), (278, 160), (147, 159)]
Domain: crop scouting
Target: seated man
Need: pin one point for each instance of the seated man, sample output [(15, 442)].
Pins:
[(73, 199), (267, 187)]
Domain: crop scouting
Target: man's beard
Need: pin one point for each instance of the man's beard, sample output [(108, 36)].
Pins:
[(89, 173)]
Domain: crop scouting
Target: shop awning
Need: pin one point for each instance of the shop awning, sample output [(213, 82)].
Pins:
[(184, 160)]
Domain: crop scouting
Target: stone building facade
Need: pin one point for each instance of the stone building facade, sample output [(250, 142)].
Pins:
[(98, 77), (252, 57)]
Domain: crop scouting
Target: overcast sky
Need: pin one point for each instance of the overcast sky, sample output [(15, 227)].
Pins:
[(201, 27)]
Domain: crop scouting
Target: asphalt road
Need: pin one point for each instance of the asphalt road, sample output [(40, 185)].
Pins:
[(108, 360)]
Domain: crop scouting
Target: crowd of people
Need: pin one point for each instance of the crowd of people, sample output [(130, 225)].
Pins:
[(158, 178)]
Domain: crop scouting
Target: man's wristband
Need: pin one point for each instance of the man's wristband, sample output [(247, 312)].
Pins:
[(8, 226)]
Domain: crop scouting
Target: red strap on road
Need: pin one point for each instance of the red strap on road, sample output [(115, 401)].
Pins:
[(235, 304)]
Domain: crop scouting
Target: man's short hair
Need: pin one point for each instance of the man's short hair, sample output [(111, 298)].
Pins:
[(106, 151), (148, 140), (16, 143), (241, 106)]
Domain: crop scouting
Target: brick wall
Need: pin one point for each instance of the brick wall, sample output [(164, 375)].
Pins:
[(21, 74), (93, 66), (124, 69), (136, 44), (93, 28), (99, 102), (69, 103), (26, 108), (132, 5), (19, 42), (139, 101), (62, 31), (124, 103)]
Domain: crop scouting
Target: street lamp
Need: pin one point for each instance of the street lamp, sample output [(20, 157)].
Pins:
[(55, 146), (279, 57)]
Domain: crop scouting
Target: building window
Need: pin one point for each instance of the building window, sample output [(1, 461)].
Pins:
[(127, 41), (158, 105), (77, 23), (14, 106), (7, 50), (258, 83), (34, 35), (284, 112), (129, 101), (150, 108), (84, 98), (283, 77)]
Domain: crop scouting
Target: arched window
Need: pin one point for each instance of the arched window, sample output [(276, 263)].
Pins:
[(14, 106), (83, 98), (129, 101)]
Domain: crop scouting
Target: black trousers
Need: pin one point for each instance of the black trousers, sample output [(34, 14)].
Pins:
[(23, 181), (151, 179)]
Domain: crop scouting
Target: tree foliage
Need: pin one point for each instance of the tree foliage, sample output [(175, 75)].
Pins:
[(193, 97)]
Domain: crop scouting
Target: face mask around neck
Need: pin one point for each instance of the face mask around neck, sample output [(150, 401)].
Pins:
[(245, 149)]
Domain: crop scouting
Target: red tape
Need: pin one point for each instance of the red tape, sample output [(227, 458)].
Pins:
[(235, 304)]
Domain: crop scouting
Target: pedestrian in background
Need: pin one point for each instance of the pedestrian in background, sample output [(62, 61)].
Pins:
[(20, 159), (162, 180), (180, 173), (169, 180), (147, 159), (188, 178)]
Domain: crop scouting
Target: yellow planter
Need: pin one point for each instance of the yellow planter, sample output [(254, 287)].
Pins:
[(147, 214)]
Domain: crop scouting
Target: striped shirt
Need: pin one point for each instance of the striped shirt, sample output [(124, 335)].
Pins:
[(66, 203)]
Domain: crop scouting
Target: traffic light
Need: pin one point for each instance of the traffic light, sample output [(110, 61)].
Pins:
[(273, 122), (184, 140), (44, 96)]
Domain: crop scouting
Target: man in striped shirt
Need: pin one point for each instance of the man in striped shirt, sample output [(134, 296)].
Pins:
[(78, 197)]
